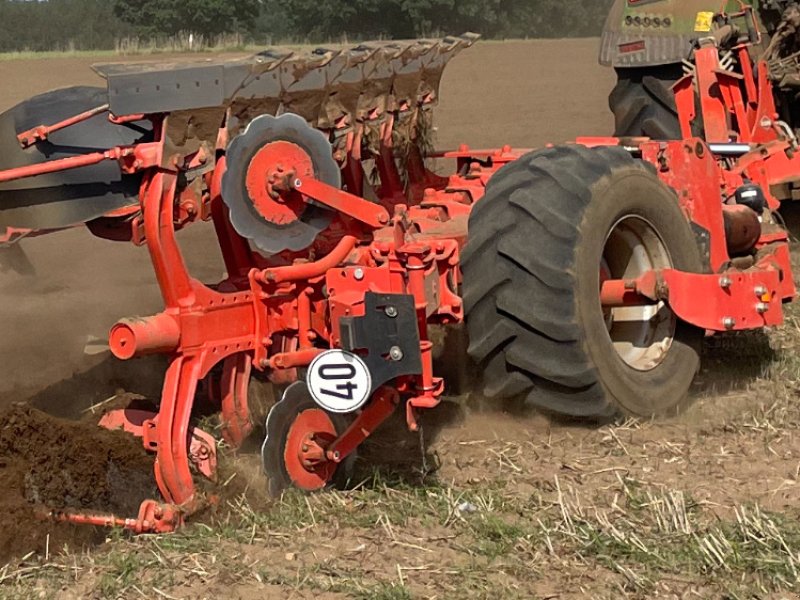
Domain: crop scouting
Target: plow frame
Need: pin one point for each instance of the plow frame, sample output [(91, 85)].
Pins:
[(403, 247)]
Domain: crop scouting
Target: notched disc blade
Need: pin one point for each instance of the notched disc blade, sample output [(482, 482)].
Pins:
[(269, 237)]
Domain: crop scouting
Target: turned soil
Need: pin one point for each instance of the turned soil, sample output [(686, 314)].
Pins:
[(53, 464)]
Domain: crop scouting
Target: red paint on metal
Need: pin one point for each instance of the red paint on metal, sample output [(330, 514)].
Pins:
[(153, 518), (380, 407), (619, 292), (142, 336), (304, 454), (131, 159), (303, 271), (236, 423), (42, 132), (270, 178), (365, 211)]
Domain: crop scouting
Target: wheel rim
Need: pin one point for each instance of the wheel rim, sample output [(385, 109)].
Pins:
[(304, 455), (640, 335)]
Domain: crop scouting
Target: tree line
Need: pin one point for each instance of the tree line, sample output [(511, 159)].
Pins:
[(38, 25)]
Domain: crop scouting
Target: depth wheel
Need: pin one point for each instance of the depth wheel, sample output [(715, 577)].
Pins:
[(298, 433), (551, 227)]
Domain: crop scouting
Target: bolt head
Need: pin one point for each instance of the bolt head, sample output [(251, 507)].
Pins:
[(725, 282), (396, 354), (358, 274), (762, 307), (391, 312), (729, 322)]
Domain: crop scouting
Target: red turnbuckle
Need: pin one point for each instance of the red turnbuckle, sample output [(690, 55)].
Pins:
[(153, 518)]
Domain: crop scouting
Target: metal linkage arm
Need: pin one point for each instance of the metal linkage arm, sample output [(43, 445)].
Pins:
[(365, 211)]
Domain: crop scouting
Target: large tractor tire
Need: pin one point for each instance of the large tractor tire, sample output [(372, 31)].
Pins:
[(549, 227), (643, 102)]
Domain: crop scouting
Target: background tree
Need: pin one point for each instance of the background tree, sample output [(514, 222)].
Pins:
[(58, 25), (332, 19), (100, 24), (208, 18)]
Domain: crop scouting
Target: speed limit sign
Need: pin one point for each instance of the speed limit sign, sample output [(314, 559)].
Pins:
[(339, 381)]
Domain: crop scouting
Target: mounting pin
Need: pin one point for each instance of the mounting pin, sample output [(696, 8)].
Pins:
[(396, 354), (729, 322)]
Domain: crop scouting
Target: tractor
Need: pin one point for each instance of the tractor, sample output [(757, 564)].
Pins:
[(587, 274), (650, 44)]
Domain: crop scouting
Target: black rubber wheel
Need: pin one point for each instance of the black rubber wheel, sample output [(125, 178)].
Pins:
[(538, 240), (297, 400), (643, 103)]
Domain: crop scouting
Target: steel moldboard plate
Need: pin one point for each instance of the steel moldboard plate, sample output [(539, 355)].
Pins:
[(155, 91)]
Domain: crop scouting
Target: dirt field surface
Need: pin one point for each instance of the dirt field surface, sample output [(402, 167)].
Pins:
[(483, 504)]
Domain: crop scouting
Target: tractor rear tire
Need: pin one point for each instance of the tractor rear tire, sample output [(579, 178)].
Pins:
[(548, 225), (644, 104)]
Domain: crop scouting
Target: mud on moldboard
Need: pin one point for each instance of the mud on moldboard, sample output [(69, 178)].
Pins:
[(48, 463)]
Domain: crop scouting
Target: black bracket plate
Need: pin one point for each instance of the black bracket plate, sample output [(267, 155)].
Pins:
[(386, 337)]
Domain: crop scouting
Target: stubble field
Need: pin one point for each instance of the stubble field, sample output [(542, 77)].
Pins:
[(487, 504)]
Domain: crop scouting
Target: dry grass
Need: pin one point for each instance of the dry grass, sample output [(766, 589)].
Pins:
[(441, 542)]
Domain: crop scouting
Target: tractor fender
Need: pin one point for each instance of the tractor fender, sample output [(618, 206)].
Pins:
[(641, 33)]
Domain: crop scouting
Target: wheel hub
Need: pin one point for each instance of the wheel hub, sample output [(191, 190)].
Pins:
[(641, 335), (304, 455), (270, 178)]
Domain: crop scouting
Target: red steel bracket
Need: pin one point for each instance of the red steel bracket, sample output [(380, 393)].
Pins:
[(142, 423), (381, 407), (730, 301)]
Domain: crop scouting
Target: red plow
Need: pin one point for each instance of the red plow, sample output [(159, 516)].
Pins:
[(587, 274)]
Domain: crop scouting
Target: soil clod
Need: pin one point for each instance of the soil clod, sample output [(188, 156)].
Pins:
[(53, 464)]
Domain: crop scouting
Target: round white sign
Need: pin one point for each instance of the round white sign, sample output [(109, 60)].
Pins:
[(339, 381)]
